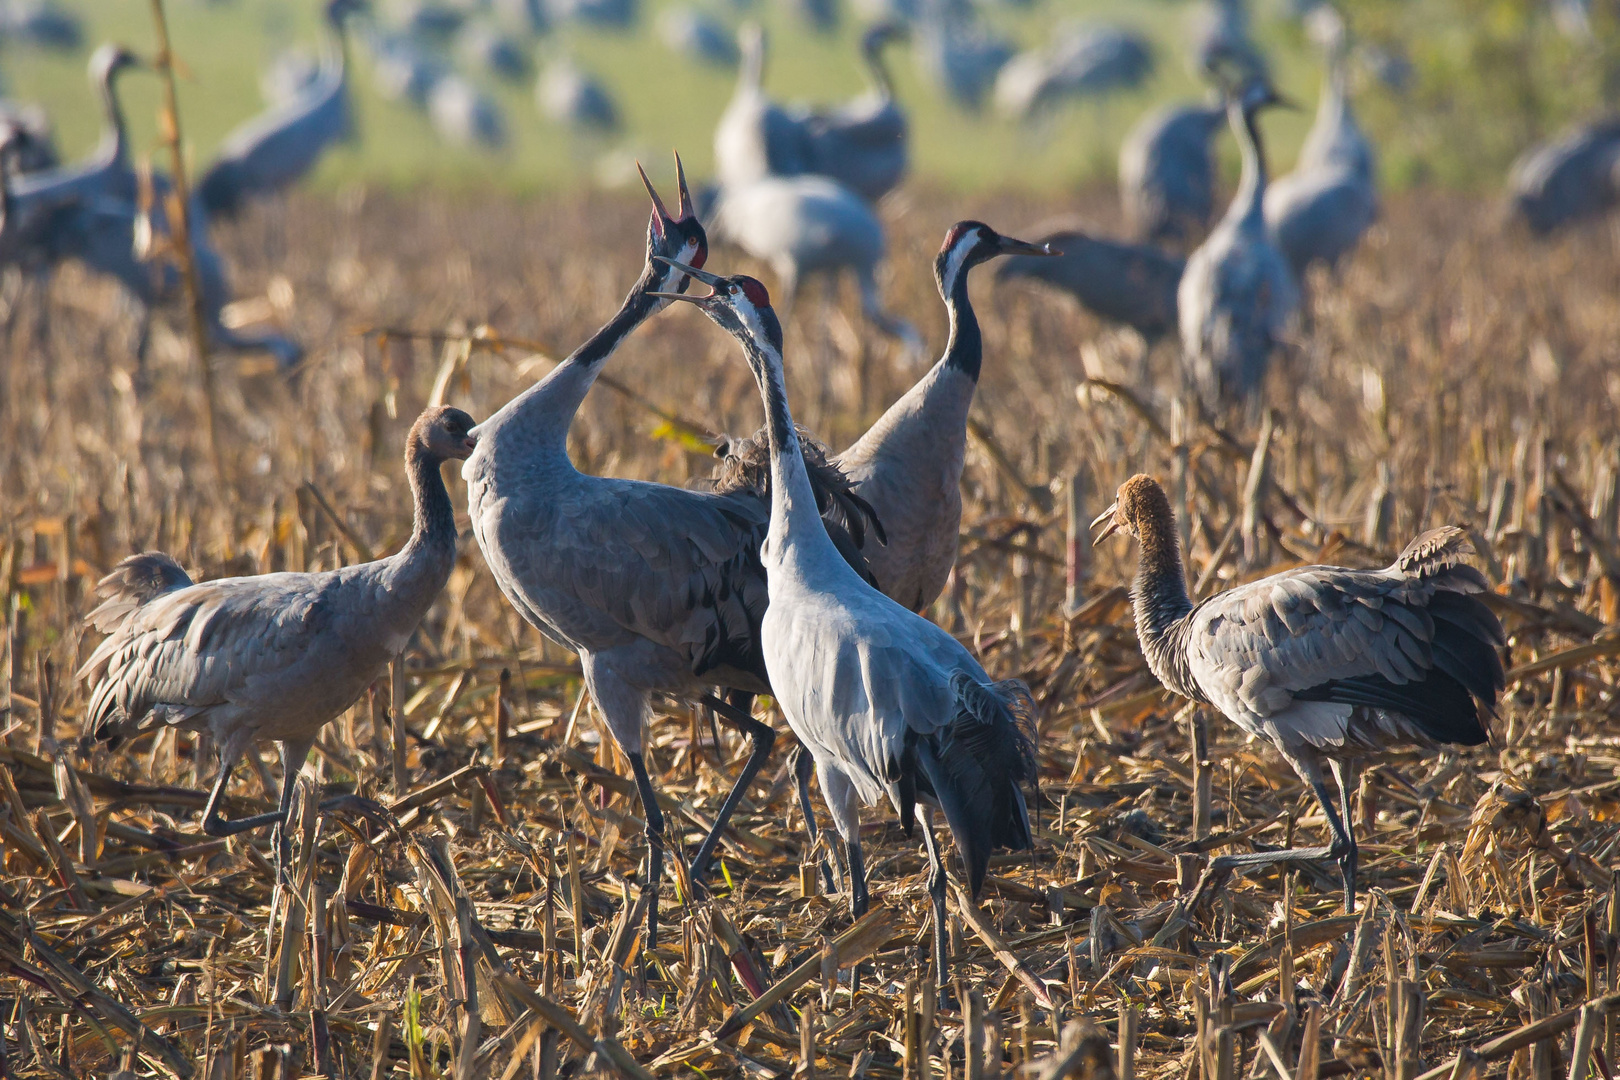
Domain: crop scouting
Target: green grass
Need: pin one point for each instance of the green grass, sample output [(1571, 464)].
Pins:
[(1461, 124)]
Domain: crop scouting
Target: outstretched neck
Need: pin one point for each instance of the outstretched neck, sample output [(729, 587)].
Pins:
[(546, 409), (115, 138), (1159, 596), (872, 52), (795, 518), (1250, 200), (964, 351)]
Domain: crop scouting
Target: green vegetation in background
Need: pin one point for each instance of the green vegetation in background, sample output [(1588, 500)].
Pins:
[(1490, 76)]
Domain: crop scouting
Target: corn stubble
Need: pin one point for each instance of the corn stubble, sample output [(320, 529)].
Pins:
[(481, 922)]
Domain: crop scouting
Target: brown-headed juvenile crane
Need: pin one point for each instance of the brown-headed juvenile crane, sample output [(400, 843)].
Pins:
[(1329, 665), (271, 658), (888, 704)]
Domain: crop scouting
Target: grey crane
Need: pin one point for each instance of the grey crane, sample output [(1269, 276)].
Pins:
[(280, 146), (1237, 296), (1167, 172), (288, 74), (608, 14), (1320, 211), (804, 225), (959, 53), (1131, 284), (1081, 61), (463, 114), (567, 94), (694, 33), (756, 138), (1569, 179), (403, 70), (273, 657), (1226, 53), (1325, 663), (41, 23), (908, 464), (862, 144), (43, 202), (888, 704)]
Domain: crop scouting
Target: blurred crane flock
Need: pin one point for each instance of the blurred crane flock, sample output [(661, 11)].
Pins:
[(464, 885)]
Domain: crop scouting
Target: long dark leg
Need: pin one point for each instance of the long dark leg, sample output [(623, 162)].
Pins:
[(215, 825), (858, 898), (293, 755), (1344, 835), (936, 895), (655, 840), (734, 712), (803, 764)]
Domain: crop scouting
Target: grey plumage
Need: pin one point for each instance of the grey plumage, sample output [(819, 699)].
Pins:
[(888, 704), (1237, 298), (1167, 172), (756, 138), (464, 115), (274, 657), (485, 47), (908, 464), (1320, 211), (804, 225), (694, 33), (280, 146), (745, 465), (33, 144), (569, 95), (1082, 61), (43, 205), (959, 53), (863, 143), (1325, 663), (1569, 179), (1130, 284)]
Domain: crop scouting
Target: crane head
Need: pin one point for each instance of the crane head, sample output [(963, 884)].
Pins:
[(740, 305), (1140, 507), (970, 243), (443, 433), (673, 238), (109, 59)]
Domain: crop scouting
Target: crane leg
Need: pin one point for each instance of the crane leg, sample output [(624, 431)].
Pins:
[(802, 764), (215, 825), (936, 896), (655, 840), (734, 711), (858, 898), (1344, 836)]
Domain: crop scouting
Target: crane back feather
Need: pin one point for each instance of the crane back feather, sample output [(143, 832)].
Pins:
[(745, 465)]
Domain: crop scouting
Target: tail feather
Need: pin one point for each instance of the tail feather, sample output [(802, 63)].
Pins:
[(1439, 553), (745, 465), (975, 769), (133, 583)]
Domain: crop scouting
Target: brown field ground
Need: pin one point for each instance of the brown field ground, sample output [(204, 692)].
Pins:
[(1453, 372)]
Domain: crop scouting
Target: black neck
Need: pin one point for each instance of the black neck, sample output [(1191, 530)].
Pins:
[(965, 351), (435, 523), (632, 313), (111, 109), (779, 428)]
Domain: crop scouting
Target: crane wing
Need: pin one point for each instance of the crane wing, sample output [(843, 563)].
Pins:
[(1411, 641), (677, 567), (202, 646)]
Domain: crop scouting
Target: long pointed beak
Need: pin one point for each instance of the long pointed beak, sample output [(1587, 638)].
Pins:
[(1106, 517), (680, 182), (1009, 246), (695, 274), (660, 219)]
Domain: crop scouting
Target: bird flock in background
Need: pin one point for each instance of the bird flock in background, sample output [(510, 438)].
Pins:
[(799, 572)]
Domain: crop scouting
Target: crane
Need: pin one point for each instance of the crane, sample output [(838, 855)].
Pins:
[(1237, 296), (862, 144), (756, 138), (1082, 61), (1132, 284), (281, 145), (1327, 664), (1569, 179), (1319, 212), (42, 203), (804, 225), (1167, 172), (658, 589), (273, 657), (887, 703)]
